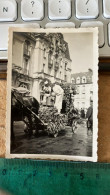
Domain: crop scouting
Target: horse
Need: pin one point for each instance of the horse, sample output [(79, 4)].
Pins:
[(24, 108)]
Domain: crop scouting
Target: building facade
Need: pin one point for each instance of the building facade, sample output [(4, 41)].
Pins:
[(84, 89), (39, 56)]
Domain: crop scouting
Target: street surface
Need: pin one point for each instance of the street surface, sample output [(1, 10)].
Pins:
[(66, 143)]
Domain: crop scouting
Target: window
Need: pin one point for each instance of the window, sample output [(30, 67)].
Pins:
[(84, 79), (83, 89), (73, 80), (44, 53), (41, 91), (65, 65), (50, 61), (26, 48), (65, 78), (55, 73), (78, 89), (43, 67), (78, 80), (26, 55)]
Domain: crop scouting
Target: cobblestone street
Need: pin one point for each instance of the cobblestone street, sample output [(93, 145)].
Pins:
[(67, 143)]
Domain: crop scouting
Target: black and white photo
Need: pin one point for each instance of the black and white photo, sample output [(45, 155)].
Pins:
[(52, 99)]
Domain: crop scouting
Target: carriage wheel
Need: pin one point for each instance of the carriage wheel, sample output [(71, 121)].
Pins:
[(28, 127)]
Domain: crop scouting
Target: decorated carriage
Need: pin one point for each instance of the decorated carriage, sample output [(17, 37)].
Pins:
[(26, 108), (39, 117), (68, 117)]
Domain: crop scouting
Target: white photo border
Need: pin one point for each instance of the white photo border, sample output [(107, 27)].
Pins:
[(94, 157)]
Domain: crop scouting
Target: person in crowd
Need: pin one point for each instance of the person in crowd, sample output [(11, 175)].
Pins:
[(47, 91), (58, 95), (72, 114), (82, 113), (52, 98), (89, 116)]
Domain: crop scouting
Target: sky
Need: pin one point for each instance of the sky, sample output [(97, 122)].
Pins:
[(81, 51)]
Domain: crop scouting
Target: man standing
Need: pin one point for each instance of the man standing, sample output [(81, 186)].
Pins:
[(59, 95), (89, 116)]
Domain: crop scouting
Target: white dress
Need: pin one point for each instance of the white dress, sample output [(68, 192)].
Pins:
[(59, 97)]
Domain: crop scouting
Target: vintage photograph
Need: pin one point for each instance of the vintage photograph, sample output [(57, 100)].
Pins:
[(52, 100)]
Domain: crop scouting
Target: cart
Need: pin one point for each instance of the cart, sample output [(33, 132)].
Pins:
[(37, 117)]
